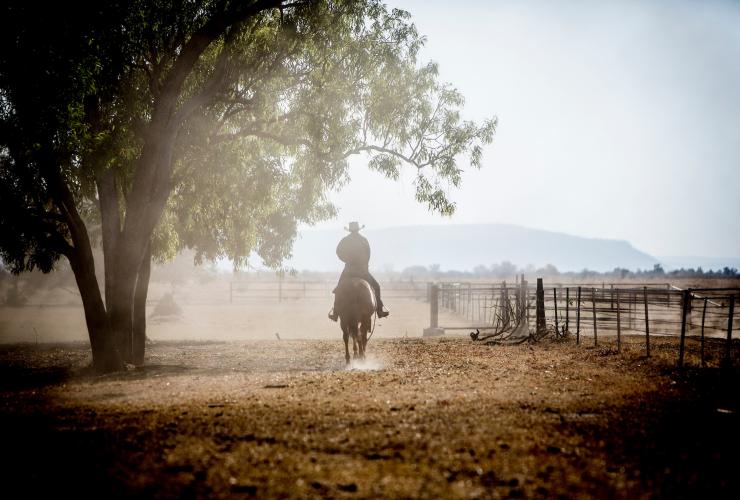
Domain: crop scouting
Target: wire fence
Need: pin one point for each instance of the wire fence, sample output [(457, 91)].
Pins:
[(285, 290), (588, 310)]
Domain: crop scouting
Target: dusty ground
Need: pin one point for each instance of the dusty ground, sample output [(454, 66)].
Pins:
[(422, 418)]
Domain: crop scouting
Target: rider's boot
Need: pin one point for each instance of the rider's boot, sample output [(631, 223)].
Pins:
[(382, 313), (333, 313)]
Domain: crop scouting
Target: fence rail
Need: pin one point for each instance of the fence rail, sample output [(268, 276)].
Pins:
[(315, 290)]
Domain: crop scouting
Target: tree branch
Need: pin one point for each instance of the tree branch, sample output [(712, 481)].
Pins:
[(385, 150)]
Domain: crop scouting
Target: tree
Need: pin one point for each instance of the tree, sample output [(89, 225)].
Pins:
[(504, 270), (217, 126)]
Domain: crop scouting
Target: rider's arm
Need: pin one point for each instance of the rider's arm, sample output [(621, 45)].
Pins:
[(366, 246), (342, 251)]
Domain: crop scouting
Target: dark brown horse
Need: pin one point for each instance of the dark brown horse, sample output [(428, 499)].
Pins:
[(356, 305)]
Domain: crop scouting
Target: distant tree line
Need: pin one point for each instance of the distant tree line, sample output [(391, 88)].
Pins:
[(506, 270), (15, 290)]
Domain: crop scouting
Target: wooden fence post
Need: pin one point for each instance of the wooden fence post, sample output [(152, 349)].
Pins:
[(433, 329), (703, 317), (684, 312), (578, 316), (728, 345), (525, 299), (647, 324), (619, 325), (469, 303), (593, 309), (612, 296), (505, 320), (540, 306), (555, 300), (567, 308), (518, 299)]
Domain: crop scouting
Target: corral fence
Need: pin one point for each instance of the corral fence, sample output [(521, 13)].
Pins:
[(284, 290), (587, 310)]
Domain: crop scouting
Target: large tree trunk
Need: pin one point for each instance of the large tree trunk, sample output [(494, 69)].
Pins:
[(121, 310), (140, 294), (144, 206), (106, 357), (127, 241), (120, 278), (110, 224)]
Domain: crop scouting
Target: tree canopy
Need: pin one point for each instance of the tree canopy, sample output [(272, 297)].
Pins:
[(151, 126)]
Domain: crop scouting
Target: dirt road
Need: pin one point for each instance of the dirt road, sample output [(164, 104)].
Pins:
[(421, 418)]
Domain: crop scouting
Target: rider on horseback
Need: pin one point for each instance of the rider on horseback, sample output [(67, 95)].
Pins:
[(354, 251)]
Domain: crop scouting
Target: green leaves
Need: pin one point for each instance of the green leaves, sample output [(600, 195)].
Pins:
[(265, 118)]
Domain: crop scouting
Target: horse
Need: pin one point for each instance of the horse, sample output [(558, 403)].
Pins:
[(356, 307)]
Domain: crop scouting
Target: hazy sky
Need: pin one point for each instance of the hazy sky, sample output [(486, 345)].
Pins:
[(616, 120)]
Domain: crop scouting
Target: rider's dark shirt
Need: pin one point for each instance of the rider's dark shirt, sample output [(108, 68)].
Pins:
[(354, 251)]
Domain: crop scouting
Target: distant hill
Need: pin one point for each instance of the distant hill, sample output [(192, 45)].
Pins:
[(462, 247)]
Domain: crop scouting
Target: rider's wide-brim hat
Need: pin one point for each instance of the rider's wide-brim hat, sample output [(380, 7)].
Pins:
[(353, 227)]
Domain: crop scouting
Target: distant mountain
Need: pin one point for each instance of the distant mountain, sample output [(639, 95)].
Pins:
[(463, 247)]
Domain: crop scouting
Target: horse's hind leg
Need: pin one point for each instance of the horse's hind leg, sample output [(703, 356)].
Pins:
[(355, 340), (353, 333), (364, 328), (345, 332)]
